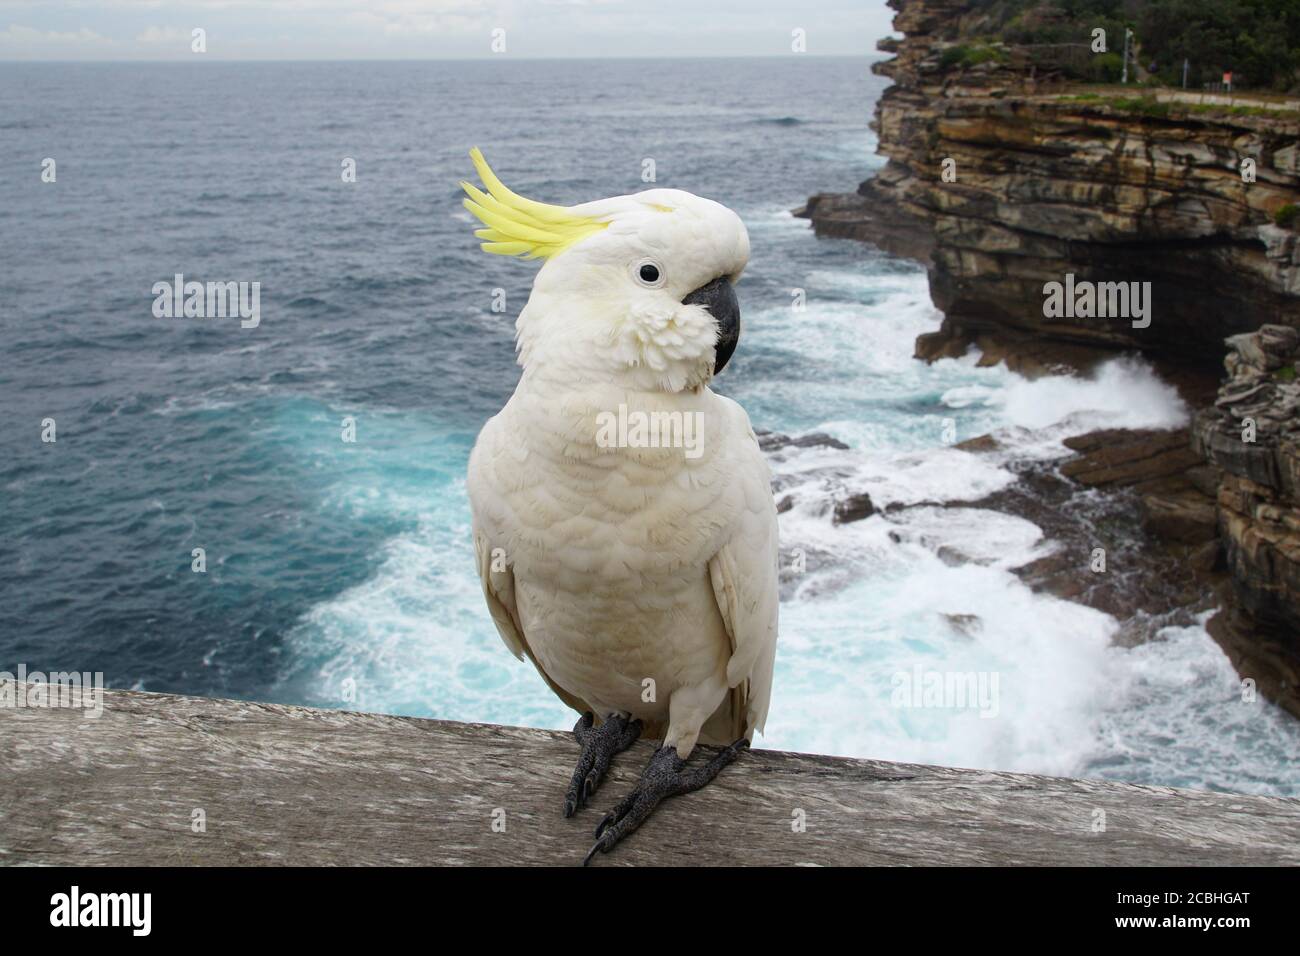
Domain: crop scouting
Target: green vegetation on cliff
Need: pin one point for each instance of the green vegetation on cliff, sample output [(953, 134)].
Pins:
[(972, 55), (1257, 40)]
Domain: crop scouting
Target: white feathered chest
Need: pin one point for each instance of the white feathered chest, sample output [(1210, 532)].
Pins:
[(609, 545)]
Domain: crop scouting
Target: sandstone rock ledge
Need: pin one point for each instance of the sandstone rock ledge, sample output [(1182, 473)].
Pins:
[(295, 786)]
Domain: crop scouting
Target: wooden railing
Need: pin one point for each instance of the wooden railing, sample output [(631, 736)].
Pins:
[(159, 779)]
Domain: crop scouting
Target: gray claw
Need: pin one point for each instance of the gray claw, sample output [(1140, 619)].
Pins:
[(599, 745), (666, 775)]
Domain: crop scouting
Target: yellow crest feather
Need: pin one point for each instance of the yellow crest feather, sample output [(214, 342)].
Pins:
[(521, 227)]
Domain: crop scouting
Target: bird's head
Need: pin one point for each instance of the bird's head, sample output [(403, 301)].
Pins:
[(635, 290)]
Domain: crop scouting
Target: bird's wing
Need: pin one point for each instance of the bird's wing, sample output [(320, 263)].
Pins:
[(496, 573), (499, 591), (745, 585)]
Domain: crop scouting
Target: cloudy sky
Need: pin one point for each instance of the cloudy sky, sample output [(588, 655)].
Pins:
[(432, 29)]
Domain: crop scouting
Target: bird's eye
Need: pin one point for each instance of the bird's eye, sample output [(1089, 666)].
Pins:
[(648, 273)]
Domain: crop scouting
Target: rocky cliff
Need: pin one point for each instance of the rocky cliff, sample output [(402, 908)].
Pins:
[(1005, 179), (1168, 220), (1252, 433)]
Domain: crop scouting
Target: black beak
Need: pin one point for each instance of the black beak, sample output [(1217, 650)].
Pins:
[(719, 297)]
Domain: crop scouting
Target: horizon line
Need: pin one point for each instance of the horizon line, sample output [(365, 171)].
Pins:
[(193, 57)]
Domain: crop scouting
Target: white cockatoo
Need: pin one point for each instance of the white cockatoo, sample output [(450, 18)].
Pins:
[(624, 525)]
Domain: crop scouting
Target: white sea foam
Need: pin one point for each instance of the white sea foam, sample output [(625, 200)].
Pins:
[(415, 639), (839, 657), (1174, 709), (974, 535), (1123, 393)]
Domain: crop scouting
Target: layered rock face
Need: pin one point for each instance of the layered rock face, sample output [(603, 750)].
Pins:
[(1050, 181), (1252, 433)]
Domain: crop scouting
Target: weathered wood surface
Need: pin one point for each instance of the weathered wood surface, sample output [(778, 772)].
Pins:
[(291, 785)]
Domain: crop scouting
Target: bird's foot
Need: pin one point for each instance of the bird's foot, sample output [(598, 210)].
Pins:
[(599, 744), (665, 776)]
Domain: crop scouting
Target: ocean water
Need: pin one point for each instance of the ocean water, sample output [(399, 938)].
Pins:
[(341, 574)]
